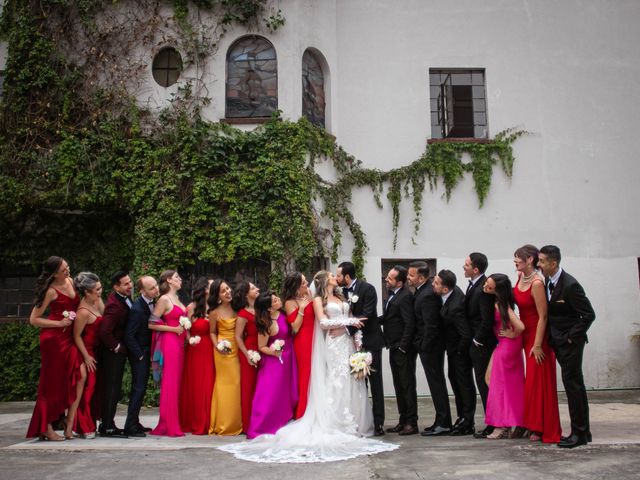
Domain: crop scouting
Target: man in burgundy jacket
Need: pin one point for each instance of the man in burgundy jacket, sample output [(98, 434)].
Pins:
[(113, 353)]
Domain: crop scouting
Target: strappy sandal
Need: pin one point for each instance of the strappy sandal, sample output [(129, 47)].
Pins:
[(499, 434)]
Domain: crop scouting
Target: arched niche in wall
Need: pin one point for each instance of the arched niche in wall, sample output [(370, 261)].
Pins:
[(252, 78)]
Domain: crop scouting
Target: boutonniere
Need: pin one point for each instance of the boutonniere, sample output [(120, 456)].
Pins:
[(353, 298)]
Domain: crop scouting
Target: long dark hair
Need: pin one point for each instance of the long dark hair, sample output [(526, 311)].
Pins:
[(239, 298), (291, 286), (263, 316), (163, 284), (199, 297), (49, 269), (214, 293), (504, 296)]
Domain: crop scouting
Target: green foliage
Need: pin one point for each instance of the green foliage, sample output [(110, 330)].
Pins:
[(19, 362)]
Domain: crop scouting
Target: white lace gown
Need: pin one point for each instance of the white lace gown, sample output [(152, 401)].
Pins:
[(338, 412)]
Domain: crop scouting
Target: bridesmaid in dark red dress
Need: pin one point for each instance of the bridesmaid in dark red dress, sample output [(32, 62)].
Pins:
[(199, 371), (246, 333), (57, 387), (85, 335), (299, 310), (541, 415)]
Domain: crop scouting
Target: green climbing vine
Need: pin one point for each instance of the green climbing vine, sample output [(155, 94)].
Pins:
[(87, 174)]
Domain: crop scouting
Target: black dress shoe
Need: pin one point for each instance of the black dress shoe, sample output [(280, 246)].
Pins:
[(588, 434), (430, 429), (378, 431), (143, 428), (114, 433), (409, 430), (573, 441), (135, 432), (456, 423), (463, 428), (435, 431), (488, 430), (396, 429)]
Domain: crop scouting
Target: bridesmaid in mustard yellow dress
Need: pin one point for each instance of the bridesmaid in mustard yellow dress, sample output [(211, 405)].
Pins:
[(226, 411)]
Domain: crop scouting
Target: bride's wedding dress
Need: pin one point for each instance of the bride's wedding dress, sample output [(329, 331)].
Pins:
[(337, 414)]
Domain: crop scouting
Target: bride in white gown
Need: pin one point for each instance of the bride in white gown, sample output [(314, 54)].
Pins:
[(338, 413)]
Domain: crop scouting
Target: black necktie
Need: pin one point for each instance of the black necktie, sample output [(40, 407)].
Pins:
[(551, 287), (469, 287)]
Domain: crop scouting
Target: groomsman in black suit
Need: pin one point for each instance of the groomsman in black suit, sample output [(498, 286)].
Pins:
[(457, 337), (429, 342), (570, 315), (113, 352), (478, 307), (398, 327), (138, 341), (363, 300)]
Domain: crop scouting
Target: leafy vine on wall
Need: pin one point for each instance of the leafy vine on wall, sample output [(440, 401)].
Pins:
[(87, 174)]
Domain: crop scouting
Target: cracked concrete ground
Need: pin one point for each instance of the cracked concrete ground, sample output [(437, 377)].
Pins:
[(614, 453)]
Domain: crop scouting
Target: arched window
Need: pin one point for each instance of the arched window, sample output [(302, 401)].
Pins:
[(252, 78), (313, 91)]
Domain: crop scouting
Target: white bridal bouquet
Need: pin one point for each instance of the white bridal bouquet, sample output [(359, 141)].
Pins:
[(195, 340), (360, 363), (224, 346), (277, 346), (185, 323), (254, 357), (71, 315)]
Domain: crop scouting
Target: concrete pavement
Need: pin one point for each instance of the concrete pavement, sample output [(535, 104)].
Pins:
[(614, 453)]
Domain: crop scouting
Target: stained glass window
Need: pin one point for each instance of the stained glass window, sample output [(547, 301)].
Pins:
[(313, 93), (252, 78)]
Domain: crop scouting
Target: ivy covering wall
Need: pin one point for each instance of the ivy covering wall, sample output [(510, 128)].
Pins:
[(87, 174)]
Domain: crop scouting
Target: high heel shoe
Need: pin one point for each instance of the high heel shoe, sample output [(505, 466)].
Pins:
[(68, 436), (499, 434), (535, 437)]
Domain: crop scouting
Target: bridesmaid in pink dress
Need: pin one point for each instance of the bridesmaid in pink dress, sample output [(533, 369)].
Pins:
[(276, 392), (505, 402), (85, 335), (59, 375), (168, 352)]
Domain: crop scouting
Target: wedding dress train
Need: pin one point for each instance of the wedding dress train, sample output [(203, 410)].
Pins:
[(338, 411)]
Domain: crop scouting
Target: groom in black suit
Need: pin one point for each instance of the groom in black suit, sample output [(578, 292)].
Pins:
[(457, 337), (138, 341), (570, 315), (398, 324), (363, 300)]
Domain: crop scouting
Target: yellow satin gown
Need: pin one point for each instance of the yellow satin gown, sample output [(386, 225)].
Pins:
[(226, 412)]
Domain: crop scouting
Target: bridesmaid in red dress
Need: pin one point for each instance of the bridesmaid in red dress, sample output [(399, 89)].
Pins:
[(85, 335), (199, 372), (168, 351), (57, 387), (541, 415), (299, 310), (244, 296)]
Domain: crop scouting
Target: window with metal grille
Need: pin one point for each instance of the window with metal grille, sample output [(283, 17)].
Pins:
[(458, 103)]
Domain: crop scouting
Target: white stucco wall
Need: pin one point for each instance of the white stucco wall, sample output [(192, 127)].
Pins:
[(565, 71)]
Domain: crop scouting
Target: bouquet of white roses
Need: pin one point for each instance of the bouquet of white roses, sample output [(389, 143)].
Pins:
[(185, 323), (277, 346), (360, 363), (254, 357), (224, 346), (195, 340)]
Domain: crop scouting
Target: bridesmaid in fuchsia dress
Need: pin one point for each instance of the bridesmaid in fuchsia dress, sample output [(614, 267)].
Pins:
[(505, 402), (276, 393), (168, 352)]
